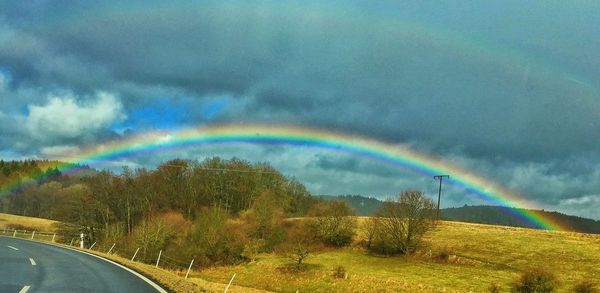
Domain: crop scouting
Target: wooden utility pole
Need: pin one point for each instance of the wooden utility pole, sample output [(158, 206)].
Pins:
[(440, 178)]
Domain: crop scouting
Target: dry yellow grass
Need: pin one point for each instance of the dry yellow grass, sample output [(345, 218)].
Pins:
[(38, 224), (481, 255), (174, 281)]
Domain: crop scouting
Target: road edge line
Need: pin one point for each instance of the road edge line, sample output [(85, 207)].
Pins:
[(144, 278)]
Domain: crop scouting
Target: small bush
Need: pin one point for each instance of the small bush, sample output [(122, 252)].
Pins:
[(536, 281), (340, 272), (586, 287), (443, 255), (252, 248), (494, 288)]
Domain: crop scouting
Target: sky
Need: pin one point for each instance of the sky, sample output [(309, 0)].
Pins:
[(507, 89)]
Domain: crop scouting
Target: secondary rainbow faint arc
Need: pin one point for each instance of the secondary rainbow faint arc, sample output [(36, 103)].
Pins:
[(405, 158)]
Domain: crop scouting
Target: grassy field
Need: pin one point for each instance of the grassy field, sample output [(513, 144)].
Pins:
[(480, 255), (26, 223), (174, 281)]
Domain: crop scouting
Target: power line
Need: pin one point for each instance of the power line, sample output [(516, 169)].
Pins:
[(222, 169), (202, 168)]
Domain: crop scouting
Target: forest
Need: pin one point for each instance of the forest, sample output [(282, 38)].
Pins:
[(216, 211), (160, 208)]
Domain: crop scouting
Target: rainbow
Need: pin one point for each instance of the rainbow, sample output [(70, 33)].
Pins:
[(398, 156)]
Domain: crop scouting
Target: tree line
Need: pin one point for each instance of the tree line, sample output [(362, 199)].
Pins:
[(482, 214), (216, 211), (134, 194)]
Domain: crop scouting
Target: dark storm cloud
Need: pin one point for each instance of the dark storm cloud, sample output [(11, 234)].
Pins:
[(327, 162), (503, 85), (340, 69)]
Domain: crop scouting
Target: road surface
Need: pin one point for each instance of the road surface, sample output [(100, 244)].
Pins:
[(27, 266)]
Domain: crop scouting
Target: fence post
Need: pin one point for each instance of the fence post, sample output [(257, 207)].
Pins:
[(111, 248), (15, 234), (32, 234), (53, 236), (158, 259), (230, 281), (189, 268), (92, 246), (135, 253)]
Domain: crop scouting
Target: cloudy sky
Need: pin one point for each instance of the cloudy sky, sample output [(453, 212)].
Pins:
[(508, 89)]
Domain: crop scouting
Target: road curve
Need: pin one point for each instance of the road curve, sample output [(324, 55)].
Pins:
[(27, 266)]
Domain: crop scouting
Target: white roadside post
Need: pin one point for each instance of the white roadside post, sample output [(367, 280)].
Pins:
[(111, 248), (32, 234), (230, 281), (92, 246), (15, 234), (135, 253), (81, 242), (158, 259), (72, 239), (189, 268), (53, 236)]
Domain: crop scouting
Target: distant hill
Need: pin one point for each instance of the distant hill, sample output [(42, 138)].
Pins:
[(496, 216), (366, 206), (16, 175), (362, 205)]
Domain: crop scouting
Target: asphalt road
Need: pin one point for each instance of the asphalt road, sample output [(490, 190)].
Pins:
[(27, 266)]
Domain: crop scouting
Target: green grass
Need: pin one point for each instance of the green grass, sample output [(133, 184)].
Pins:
[(484, 255)]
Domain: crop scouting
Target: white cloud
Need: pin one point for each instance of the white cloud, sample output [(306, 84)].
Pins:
[(583, 200), (66, 117), (59, 150), (584, 206)]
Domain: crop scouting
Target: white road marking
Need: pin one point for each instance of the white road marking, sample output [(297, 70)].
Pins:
[(151, 283), (13, 248), (25, 289), (148, 281), (32, 261)]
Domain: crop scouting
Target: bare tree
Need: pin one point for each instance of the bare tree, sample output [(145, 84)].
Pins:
[(152, 235), (300, 243), (399, 225), (334, 223)]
